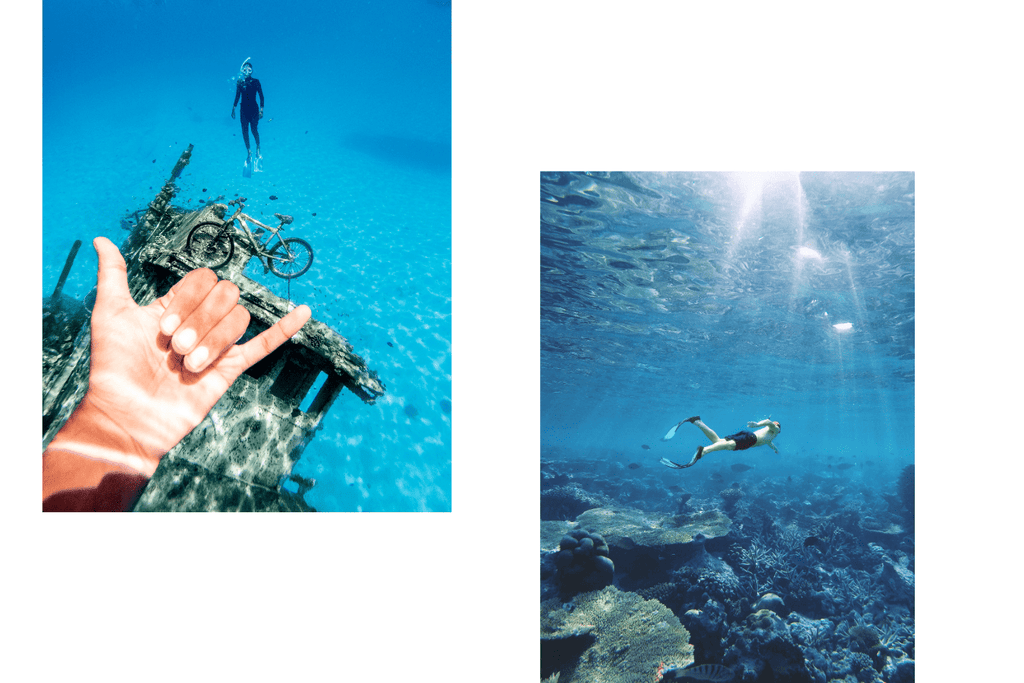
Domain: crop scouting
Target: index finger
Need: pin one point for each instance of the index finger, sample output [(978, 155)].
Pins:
[(261, 346)]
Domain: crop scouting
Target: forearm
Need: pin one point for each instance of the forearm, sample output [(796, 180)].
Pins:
[(89, 447), (75, 483)]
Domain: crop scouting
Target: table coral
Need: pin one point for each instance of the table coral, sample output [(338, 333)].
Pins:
[(625, 638)]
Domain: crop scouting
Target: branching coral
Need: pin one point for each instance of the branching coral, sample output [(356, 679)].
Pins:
[(853, 589), (834, 543), (762, 567)]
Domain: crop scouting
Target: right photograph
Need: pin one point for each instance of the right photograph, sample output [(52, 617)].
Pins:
[(727, 426)]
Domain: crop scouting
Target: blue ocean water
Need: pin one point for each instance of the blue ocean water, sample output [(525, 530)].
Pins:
[(356, 145), (734, 297)]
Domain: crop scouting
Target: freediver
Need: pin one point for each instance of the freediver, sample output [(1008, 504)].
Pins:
[(764, 432)]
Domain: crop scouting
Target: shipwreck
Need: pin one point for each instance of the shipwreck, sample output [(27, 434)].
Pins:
[(241, 457)]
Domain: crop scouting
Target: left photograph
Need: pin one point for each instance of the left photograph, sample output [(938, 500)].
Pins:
[(246, 257)]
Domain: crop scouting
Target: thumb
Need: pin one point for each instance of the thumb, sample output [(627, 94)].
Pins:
[(112, 276)]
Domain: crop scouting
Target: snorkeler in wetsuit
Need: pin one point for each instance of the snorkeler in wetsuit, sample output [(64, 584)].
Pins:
[(765, 432), (246, 90)]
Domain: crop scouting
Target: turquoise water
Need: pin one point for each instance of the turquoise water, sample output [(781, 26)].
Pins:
[(356, 130)]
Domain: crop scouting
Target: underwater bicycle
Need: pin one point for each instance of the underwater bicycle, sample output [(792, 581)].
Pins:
[(213, 244)]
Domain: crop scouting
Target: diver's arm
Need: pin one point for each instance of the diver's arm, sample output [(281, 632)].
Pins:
[(773, 446), (762, 423), (238, 94), (259, 91)]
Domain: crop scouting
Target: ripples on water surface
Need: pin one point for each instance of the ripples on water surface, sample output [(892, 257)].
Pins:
[(740, 292)]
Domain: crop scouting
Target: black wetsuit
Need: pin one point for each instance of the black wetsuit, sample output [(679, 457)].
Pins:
[(247, 89)]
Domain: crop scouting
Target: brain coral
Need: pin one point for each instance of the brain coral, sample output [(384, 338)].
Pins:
[(583, 563), (770, 601), (617, 637)]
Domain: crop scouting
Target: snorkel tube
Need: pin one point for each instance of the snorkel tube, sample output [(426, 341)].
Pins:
[(241, 69)]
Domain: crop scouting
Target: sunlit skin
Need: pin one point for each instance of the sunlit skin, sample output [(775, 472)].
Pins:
[(154, 374)]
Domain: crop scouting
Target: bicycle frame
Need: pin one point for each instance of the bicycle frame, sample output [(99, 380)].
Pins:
[(260, 249)]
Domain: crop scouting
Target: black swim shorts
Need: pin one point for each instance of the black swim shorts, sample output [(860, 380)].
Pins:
[(744, 439)]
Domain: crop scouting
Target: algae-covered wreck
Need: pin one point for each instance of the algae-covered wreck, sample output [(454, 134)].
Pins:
[(241, 456)]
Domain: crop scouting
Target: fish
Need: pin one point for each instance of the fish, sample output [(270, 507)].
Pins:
[(705, 672), (675, 489), (411, 411), (811, 540), (273, 197), (740, 467), (715, 476), (645, 447), (844, 466), (634, 465)]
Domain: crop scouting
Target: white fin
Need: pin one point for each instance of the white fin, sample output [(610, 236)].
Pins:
[(671, 432)]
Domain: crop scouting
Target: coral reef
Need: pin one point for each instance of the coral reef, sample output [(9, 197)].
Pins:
[(764, 649), (582, 563), (611, 636), (770, 601), (905, 489), (647, 546), (731, 497), (807, 577), (568, 501)]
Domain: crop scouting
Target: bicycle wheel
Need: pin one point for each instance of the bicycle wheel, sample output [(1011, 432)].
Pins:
[(291, 259), (210, 244)]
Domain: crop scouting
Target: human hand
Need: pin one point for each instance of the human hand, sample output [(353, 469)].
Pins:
[(157, 370), (232, 112), (261, 113)]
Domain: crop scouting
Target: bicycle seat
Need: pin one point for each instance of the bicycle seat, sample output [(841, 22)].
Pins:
[(285, 220)]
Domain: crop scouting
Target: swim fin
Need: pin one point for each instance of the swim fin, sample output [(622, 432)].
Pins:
[(257, 164), (672, 432), (674, 465), (247, 169)]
